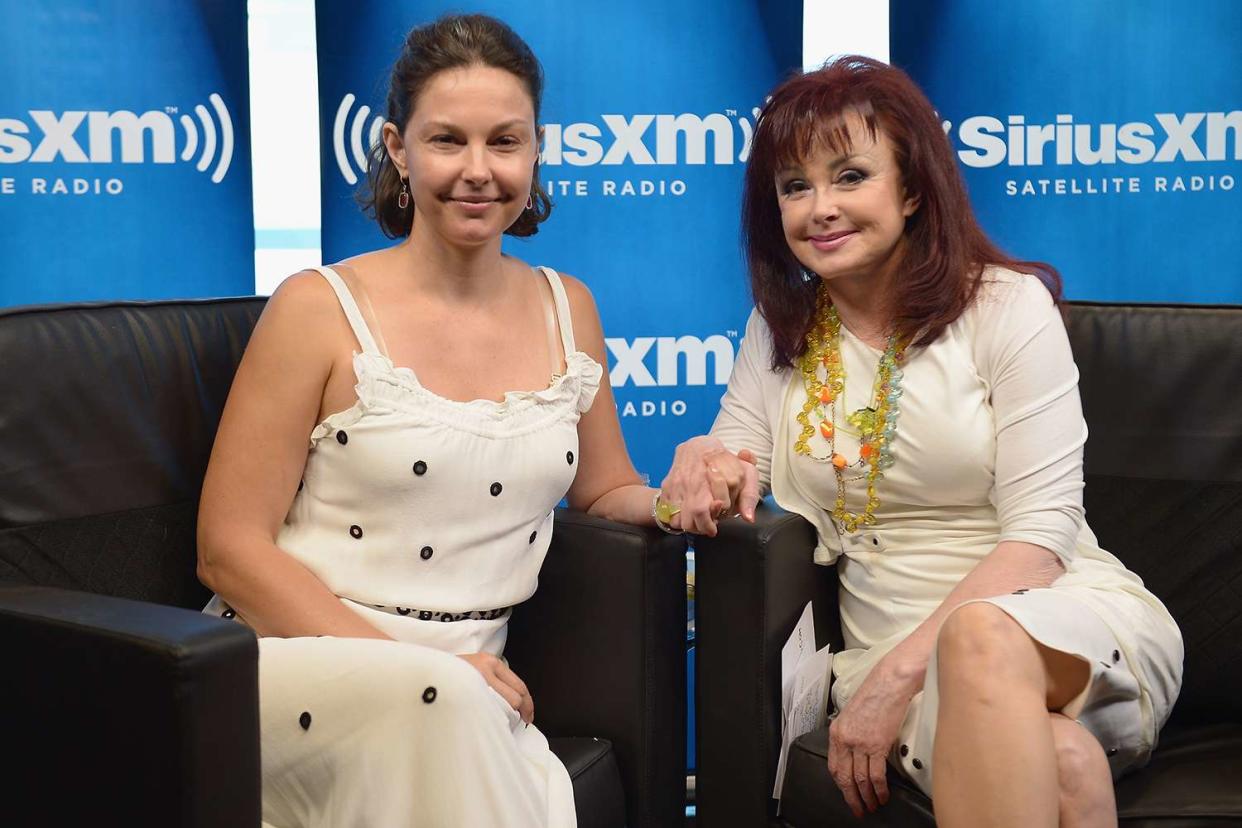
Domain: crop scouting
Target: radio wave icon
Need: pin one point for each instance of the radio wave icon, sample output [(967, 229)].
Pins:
[(209, 138), (357, 155)]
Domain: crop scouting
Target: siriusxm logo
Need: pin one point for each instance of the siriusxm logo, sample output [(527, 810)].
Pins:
[(341, 124), (1192, 136), (630, 365), (678, 139), (60, 141)]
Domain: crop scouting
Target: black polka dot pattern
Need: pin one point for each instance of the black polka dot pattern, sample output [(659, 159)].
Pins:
[(305, 720), (420, 468), (429, 695), (403, 611), (342, 437), (905, 750), (1116, 656), (355, 532), (918, 765), (229, 613), (569, 457), (532, 537), (496, 489), (424, 615), (426, 552)]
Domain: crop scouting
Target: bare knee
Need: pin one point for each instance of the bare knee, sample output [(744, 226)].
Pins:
[(980, 643), (1083, 775)]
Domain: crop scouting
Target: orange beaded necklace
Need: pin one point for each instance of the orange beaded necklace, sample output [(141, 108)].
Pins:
[(876, 424)]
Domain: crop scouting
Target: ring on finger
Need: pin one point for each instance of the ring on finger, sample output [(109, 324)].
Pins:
[(665, 510)]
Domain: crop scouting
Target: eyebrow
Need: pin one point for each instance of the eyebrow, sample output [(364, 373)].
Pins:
[(840, 159), (450, 126)]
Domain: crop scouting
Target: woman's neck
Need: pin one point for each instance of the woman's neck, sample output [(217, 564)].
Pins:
[(862, 309), (864, 303), (452, 272)]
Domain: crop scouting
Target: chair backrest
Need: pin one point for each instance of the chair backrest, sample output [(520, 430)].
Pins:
[(1162, 394), (107, 416)]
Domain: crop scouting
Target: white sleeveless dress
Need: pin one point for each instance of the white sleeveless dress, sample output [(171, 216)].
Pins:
[(430, 518)]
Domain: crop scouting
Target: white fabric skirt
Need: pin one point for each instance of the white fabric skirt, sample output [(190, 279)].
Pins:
[(1129, 696), (360, 732)]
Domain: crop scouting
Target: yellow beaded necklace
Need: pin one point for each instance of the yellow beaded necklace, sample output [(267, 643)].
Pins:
[(876, 424)]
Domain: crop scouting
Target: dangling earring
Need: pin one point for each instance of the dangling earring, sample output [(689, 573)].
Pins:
[(530, 202), (403, 200)]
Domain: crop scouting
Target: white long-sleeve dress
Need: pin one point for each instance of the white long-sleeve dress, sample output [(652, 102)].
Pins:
[(429, 518), (988, 448)]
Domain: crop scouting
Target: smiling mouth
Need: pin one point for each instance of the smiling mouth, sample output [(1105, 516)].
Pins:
[(831, 237), (472, 200), (831, 241)]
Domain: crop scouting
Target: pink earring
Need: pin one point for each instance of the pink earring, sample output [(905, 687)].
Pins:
[(530, 202), (403, 200)]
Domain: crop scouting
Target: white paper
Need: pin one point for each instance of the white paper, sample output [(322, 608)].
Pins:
[(798, 646), (806, 675)]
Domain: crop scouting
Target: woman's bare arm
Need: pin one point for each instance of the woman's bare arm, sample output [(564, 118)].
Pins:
[(257, 461), (606, 484)]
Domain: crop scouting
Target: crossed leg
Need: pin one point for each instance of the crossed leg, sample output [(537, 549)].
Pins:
[(1000, 757)]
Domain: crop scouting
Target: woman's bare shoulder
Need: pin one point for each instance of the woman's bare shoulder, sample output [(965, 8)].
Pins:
[(579, 295), (304, 309)]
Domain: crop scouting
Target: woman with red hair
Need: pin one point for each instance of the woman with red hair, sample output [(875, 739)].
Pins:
[(909, 389)]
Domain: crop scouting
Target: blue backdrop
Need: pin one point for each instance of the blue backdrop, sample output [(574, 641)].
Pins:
[(124, 150), (1105, 138), (648, 110)]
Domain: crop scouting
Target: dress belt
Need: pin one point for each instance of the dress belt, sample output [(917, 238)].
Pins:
[(437, 615)]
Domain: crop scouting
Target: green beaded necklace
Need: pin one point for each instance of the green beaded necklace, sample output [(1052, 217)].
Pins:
[(876, 424)]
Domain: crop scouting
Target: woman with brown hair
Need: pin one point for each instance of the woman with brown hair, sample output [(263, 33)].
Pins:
[(909, 389), (377, 502)]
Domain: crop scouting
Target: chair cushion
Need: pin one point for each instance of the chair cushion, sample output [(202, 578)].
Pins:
[(811, 799), (1194, 777), (1191, 780), (598, 798), (145, 554)]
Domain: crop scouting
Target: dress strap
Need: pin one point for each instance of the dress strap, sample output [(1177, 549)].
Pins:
[(563, 318), (361, 332)]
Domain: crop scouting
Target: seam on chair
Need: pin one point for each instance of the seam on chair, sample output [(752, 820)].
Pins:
[(1149, 306), (71, 307), (603, 755)]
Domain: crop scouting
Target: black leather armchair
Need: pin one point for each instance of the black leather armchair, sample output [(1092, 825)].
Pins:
[(1160, 389), (123, 705)]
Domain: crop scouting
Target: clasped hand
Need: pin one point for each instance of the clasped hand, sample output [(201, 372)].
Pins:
[(504, 681), (708, 483)]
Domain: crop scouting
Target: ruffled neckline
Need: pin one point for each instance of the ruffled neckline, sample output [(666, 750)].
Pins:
[(383, 385), (579, 366)]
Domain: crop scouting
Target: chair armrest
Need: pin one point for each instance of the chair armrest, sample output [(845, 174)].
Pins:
[(602, 646), (751, 584), (141, 713)]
